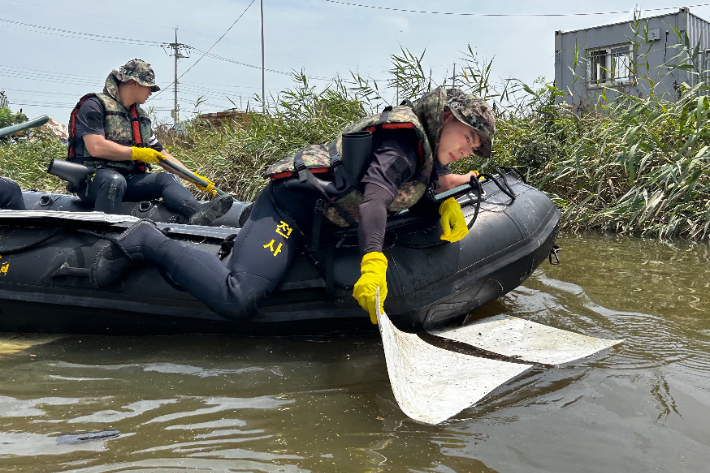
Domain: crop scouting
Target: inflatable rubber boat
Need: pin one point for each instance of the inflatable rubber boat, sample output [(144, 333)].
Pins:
[(47, 250)]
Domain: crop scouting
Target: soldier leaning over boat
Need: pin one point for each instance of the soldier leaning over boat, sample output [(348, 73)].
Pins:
[(111, 133)]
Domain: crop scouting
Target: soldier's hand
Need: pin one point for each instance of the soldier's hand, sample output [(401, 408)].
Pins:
[(208, 188), (147, 155)]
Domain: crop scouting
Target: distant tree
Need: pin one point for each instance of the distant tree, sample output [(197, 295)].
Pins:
[(7, 118)]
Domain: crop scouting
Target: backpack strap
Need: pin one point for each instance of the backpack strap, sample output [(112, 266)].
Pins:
[(71, 148)]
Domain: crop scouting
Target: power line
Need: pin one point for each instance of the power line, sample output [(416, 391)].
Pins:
[(82, 80), (42, 78), (376, 7), (210, 85), (90, 14), (213, 45), (39, 92), (190, 32), (80, 35), (283, 54), (275, 71), (51, 73)]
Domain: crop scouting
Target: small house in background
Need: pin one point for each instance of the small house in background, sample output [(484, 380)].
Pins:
[(607, 57), (228, 116)]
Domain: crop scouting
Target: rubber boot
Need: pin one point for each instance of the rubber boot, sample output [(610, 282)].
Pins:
[(212, 210), (139, 243)]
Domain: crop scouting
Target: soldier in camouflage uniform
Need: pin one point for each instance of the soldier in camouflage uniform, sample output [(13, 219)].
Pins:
[(111, 133), (443, 126)]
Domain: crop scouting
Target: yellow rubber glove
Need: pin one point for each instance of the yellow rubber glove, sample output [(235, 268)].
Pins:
[(208, 188), (147, 155), (452, 220), (373, 274)]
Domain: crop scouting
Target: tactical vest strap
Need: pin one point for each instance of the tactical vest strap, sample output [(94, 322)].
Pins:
[(135, 125), (318, 185), (319, 210), (300, 167), (335, 163), (407, 103), (71, 149)]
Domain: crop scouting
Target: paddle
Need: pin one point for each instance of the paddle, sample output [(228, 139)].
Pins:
[(191, 176), (9, 130), (431, 384)]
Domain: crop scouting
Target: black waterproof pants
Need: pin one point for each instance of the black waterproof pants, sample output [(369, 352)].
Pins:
[(107, 188), (262, 252), (10, 195)]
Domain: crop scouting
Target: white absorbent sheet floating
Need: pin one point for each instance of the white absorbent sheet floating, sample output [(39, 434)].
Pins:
[(432, 384), (526, 341)]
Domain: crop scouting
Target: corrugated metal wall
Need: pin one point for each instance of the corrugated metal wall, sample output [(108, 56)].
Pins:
[(657, 53), (698, 31)]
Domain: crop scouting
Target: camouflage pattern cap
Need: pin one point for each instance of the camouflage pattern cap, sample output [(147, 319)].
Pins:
[(139, 71), (474, 112)]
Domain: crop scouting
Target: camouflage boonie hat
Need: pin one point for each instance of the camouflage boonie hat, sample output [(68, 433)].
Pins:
[(474, 112), (138, 70)]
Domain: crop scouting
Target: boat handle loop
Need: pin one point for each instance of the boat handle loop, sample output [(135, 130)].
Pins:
[(475, 183), (505, 169), (554, 252), (504, 177), (503, 187)]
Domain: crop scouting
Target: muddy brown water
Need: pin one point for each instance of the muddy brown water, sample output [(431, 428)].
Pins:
[(230, 403)]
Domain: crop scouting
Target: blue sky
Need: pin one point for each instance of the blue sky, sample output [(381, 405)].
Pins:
[(46, 70)]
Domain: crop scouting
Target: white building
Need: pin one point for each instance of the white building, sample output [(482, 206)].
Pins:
[(616, 56)]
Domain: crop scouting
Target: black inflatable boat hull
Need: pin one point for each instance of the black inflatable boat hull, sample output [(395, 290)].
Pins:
[(431, 283)]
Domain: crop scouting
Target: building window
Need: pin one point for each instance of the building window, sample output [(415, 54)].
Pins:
[(609, 66)]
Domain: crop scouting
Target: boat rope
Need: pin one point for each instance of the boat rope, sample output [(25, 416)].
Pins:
[(502, 170), (22, 249), (475, 182), (503, 187)]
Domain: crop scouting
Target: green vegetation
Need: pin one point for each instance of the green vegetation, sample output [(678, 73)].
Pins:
[(628, 165), (235, 154), (25, 160), (7, 118)]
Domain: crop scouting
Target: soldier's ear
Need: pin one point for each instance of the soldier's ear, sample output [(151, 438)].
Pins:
[(447, 114)]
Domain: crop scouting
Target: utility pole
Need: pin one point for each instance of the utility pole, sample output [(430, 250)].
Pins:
[(178, 51), (263, 89), (453, 77)]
